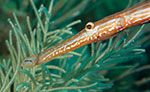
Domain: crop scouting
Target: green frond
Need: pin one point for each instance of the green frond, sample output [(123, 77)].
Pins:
[(85, 70)]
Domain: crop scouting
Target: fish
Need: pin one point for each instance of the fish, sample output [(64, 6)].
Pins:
[(103, 29)]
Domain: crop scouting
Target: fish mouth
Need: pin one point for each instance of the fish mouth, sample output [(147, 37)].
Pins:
[(30, 61)]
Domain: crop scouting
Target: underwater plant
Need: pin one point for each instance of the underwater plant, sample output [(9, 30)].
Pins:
[(73, 71)]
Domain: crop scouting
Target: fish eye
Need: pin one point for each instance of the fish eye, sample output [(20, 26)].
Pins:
[(89, 26)]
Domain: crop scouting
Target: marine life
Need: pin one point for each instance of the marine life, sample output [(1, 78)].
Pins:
[(103, 29)]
